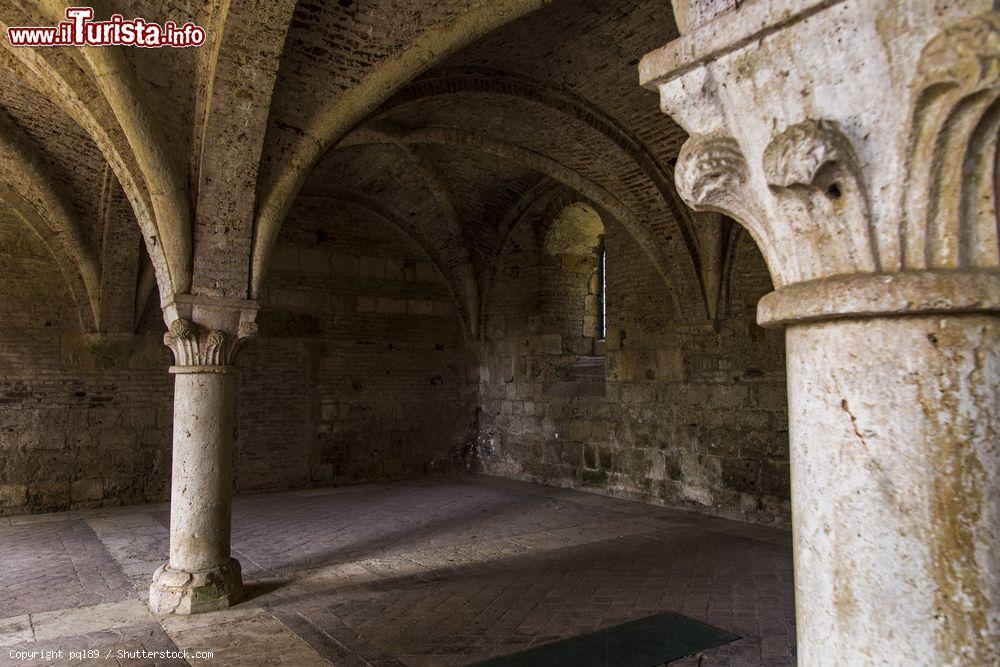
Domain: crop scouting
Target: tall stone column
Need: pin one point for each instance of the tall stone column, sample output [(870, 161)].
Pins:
[(205, 336), (857, 141)]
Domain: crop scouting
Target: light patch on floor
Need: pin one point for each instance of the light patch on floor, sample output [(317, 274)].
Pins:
[(46, 625), (427, 572), (15, 630), (240, 637)]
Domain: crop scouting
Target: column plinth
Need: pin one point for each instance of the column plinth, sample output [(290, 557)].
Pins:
[(200, 574), (186, 592)]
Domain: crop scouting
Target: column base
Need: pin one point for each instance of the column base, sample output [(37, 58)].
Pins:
[(178, 592)]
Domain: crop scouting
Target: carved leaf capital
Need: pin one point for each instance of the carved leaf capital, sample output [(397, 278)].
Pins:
[(949, 202), (967, 54), (710, 170), (194, 345), (797, 155), (819, 186)]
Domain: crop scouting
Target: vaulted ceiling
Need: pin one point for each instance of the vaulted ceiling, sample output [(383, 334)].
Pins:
[(175, 168)]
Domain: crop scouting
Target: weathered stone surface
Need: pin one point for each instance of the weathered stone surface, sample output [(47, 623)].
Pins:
[(488, 567), (866, 174), (201, 575), (410, 198), (661, 393), (194, 592)]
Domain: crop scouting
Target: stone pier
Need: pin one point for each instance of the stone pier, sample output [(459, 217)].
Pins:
[(856, 141), (201, 575)]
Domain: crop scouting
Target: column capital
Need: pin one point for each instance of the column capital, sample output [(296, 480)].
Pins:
[(689, 14), (855, 139), (206, 333), (200, 350), (881, 295)]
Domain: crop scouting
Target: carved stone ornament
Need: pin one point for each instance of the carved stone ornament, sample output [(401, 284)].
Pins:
[(797, 155), (818, 181), (950, 198), (712, 175), (193, 345), (710, 170), (966, 54)]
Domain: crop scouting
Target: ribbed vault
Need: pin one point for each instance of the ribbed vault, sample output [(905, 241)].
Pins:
[(449, 119)]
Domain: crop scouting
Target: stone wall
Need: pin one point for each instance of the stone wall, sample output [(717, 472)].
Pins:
[(362, 373), (687, 415), (360, 370), (84, 419), (359, 374)]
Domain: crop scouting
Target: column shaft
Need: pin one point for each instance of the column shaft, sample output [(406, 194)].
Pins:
[(895, 457), (201, 575), (201, 481)]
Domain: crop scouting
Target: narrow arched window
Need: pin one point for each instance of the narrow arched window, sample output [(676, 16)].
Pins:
[(575, 239), (602, 268)]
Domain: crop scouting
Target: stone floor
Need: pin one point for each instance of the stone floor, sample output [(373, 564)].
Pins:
[(430, 572)]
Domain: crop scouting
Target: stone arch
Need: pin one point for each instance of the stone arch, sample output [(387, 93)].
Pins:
[(326, 127), (533, 199), (464, 268), (545, 280), (159, 168), (38, 294), (545, 206), (557, 172), (585, 187), (575, 230), (457, 283), (225, 153), (478, 81), (29, 188), (99, 92), (475, 81), (68, 264)]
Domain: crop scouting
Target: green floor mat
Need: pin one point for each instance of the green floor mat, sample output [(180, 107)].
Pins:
[(646, 642)]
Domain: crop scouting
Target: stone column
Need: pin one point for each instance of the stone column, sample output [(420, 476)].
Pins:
[(857, 141), (201, 575)]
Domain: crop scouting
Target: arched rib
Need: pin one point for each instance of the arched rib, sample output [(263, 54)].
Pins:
[(462, 286), (70, 88), (558, 172), (331, 123), (32, 190)]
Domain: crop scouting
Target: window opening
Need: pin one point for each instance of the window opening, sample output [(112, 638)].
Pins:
[(603, 291)]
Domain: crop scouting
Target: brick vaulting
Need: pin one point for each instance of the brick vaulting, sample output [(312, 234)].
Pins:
[(421, 333)]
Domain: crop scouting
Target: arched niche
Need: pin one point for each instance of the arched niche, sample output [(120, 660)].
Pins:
[(576, 230), (34, 295)]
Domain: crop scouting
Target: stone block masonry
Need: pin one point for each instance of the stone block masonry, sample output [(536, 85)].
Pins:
[(688, 416), (361, 370), (334, 390), (361, 374)]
